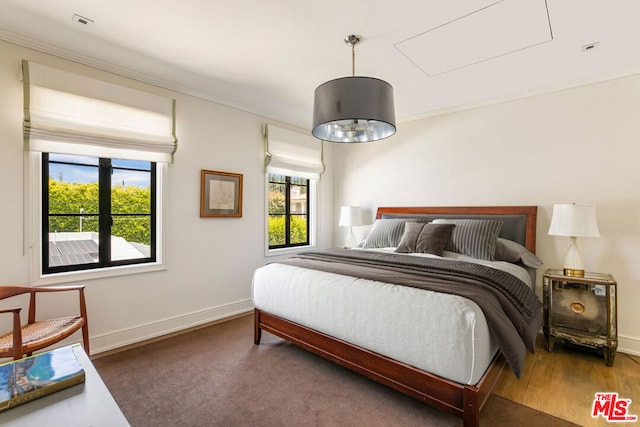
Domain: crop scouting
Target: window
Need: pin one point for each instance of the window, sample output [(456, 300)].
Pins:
[(289, 220), (97, 212), (91, 210), (294, 166)]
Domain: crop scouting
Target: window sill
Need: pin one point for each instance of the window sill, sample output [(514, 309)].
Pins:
[(76, 276), (287, 251)]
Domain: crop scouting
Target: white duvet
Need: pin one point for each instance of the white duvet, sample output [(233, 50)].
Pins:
[(440, 333)]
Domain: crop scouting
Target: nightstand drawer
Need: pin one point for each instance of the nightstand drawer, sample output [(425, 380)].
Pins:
[(579, 307)]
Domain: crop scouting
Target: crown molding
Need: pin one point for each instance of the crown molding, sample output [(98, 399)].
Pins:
[(543, 90), (198, 92)]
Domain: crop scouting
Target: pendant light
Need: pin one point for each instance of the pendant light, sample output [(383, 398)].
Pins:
[(353, 109)]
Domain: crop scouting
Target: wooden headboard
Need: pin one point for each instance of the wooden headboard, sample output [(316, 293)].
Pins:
[(519, 221)]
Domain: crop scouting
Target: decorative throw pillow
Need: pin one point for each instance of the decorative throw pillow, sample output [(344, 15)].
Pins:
[(473, 237), (386, 233), (424, 238), (510, 251)]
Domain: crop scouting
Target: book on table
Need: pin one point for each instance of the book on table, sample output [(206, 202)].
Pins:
[(36, 376)]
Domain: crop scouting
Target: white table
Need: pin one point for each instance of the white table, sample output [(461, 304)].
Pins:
[(87, 404)]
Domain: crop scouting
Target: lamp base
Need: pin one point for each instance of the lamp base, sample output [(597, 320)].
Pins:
[(350, 239), (573, 272), (573, 264)]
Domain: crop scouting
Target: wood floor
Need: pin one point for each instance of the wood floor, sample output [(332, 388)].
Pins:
[(563, 383)]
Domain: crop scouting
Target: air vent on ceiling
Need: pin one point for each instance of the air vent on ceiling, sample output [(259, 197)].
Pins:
[(81, 19), (590, 46)]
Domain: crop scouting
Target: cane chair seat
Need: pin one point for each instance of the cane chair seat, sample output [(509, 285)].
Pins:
[(37, 334)]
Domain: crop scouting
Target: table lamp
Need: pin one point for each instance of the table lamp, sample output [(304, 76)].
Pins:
[(350, 216), (574, 221)]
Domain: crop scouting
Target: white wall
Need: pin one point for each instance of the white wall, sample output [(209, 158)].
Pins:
[(578, 145), (210, 260)]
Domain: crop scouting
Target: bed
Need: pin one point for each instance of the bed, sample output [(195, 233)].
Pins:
[(381, 321)]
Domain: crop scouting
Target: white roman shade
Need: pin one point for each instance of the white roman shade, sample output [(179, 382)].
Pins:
[(73, 114), (292, 153)]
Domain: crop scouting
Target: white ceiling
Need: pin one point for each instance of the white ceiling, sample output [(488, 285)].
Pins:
[(267, 57)]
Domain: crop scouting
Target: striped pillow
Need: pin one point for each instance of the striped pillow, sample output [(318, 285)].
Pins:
[(386, 233), (473, 237)]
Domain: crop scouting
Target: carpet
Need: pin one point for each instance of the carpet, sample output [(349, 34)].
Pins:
[(216, 376)]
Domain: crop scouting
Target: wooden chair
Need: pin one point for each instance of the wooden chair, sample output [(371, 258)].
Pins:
[(38, 334)]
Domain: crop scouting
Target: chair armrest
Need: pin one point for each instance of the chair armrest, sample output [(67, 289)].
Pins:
[(58, 288), (16, 331), (34, 291)]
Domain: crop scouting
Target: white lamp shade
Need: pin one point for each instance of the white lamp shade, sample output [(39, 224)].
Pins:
[(574, 221), (350, 216)]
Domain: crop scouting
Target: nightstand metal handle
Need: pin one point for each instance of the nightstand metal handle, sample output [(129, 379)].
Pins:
[(577, 307)]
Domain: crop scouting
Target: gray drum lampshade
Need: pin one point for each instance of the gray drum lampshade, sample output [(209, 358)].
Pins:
[(354, 109)]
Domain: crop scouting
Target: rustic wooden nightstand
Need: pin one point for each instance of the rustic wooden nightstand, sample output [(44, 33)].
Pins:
[(581, 310)]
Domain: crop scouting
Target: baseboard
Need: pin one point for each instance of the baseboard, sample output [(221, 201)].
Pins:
[(629, 345), (130, 336)]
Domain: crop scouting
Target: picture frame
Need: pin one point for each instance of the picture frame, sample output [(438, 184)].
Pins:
[(220, 194)]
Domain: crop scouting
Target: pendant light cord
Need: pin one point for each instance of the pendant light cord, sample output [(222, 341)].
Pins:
[(352, 41), (353, 59)]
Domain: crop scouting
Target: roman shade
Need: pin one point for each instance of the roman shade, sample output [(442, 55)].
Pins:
[(292, 153), (70, 113)]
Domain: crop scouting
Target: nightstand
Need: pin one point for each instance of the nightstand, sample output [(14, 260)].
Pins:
[(581, 310)]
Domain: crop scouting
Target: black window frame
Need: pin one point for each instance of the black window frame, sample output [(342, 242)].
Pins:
[(288, 213), (105, 218)]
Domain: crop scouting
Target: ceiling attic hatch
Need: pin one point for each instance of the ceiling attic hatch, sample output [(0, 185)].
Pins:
[(499, 29)]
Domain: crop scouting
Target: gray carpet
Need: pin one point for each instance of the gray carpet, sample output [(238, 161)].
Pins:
[(216, 376)]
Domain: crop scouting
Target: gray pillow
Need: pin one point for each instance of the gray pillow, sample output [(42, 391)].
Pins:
[(386, 233), (473, 237), (510, 251), (424, 238)]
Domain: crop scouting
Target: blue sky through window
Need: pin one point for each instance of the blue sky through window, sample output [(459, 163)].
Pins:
[(84, 170)]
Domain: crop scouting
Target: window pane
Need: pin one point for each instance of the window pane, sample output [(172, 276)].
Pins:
[(68, 246), (130, 237), (130, 195), (70, 158), (277, 178), (299, 181), (277, 198), (73, 189), (276, 230), (298, 199), (298, 226), (130, 192), (131, 164), (73, 210)]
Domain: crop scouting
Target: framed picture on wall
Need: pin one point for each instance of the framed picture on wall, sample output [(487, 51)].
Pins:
[(220, 194)]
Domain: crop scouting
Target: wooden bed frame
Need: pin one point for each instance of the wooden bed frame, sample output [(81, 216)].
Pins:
[(465, 401)]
